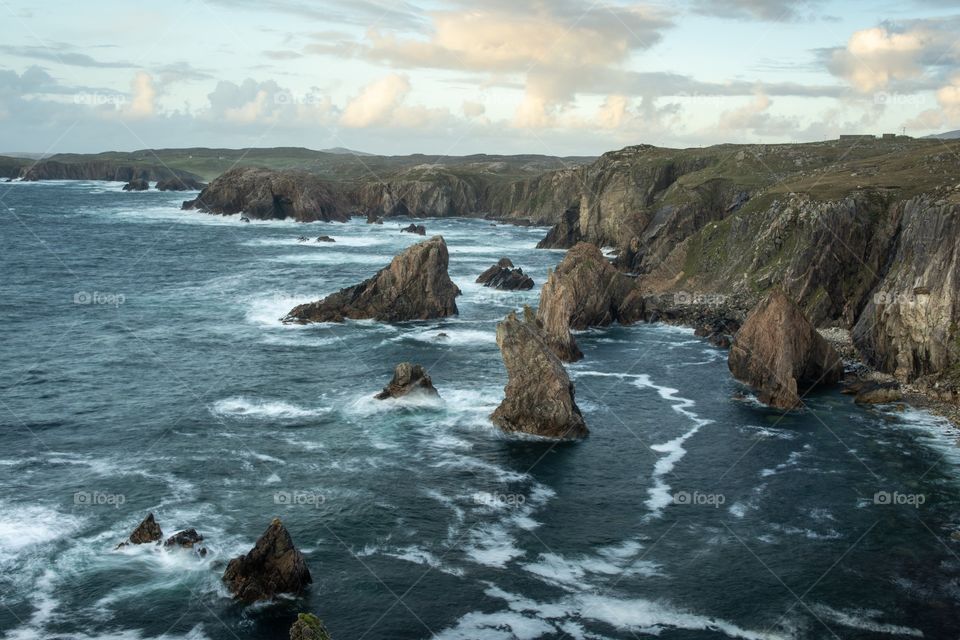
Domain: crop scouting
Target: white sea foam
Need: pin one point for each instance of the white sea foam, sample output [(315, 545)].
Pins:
[(23, 526), (864, 620), (492, 545), (264, 409), (448, 336)]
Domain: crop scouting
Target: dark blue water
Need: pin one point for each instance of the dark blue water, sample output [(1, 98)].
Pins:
[(145, 370)]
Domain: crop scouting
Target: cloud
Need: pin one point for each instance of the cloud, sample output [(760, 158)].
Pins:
[(267, 103), (376, 102), (766, 10), (755, 117), (61, 53), (396, 14), (948, 114), (142, 96)]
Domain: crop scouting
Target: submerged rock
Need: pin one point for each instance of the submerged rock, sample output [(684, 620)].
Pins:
[(308, 627), (504, 276), (415, 286), (780, 354), (180, 184), (137, 184), (539, 397), (418, 229), (325, 239), (584, 291), (272, 567), (408, 379), (147, 531)]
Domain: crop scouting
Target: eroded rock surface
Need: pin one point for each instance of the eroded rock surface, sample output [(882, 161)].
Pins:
[(136, 185), (274, 566), (147, 531), (308, 627), (506, 277), (780, 354), (415, 286), (539, 396)]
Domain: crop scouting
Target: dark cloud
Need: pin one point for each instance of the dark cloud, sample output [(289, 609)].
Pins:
[(765, 10)]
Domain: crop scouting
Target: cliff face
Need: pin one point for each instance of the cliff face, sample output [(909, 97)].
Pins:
[(272, 195), (100, 170)]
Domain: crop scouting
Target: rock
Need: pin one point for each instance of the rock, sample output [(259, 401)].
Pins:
[(780, 354), (408, 379), (187, 539), (418, 229), (180, 184), (265, 194), (442, 336), (308, 627), (539, 397), (325, 239), (415, 286), (585, 290), (100, 169), (147, 531), (565, 234), (272, 567), (303, 239), (244, 219), (871, 392), (136, 185), (504, 276)]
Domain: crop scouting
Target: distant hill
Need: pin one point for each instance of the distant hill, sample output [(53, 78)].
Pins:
[(343, 151), (949, 135)]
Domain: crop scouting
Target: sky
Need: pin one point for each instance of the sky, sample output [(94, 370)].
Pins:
[(457, 77)]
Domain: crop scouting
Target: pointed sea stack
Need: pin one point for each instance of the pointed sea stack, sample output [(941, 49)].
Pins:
[(415, 286), (147, 531), (585, 290), (272, 567), (780, 354), (408, 379), (539, 397)]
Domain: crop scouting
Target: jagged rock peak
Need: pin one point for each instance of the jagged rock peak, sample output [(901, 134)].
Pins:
[(408, 379), (273, 566)]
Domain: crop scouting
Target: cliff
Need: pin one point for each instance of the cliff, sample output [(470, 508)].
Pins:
[(100, 170)]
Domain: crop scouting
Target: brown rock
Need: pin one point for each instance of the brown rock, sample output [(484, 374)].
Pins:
[(504, 276), (539, 397), (418, 229), (585, 290), (136, 184), (187, 539), (408, 379), (325, 239), (415, 286), (272, 567), (147, 531), (780, 354)]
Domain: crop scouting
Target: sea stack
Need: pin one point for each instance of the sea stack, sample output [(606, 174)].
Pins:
[(506, 277), (415, 286), (308, 627), (408, 379), (272, 567), (147, 531), (585, 290), (780, 354), (539, 397)]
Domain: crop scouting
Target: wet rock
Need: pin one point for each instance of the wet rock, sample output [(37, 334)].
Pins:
[(308, 627), (180, 184), (136, 185), (504, 276), (325, 239), (244, 219), (418, 229), (874, 392), (274, 566), (539, 397), (147, 531), (584, 291), (187, 539), (780, 354), (415, 286), (408, 379), (303, 239)]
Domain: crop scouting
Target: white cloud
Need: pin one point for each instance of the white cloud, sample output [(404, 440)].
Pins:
[(142, 96), (377, 102)]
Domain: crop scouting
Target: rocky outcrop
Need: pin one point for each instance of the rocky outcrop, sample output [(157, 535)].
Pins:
[(146, 532), (585, 290), (274, 566), (187, 539), (95, 169), (272, 195), (180, 184), (308, 627), (506, 277), (780, 354), (539, 397), (136, 184), (416, 229), (325, 239), (565, 234), (408, 379), (415, 286)]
